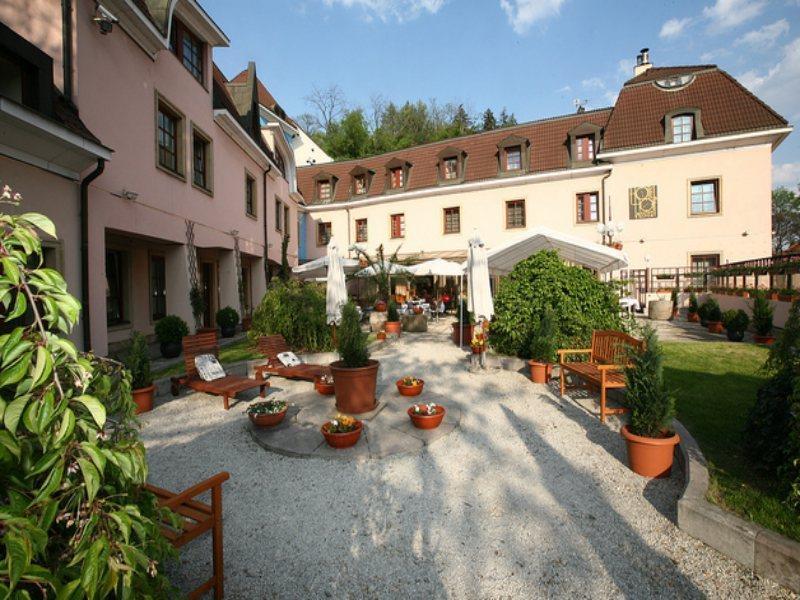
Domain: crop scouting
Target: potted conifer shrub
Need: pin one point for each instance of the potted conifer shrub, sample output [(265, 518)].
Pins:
[(542, 348), (762, 319), (713, 316), (227, 319), (650, 442), (736, 322), (170, 330), (462, 329), (392, 325), (138, 363), (674, 298), (355, 375), (691, 313), (702, 314)]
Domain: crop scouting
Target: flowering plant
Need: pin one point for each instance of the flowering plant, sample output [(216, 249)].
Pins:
[(429, 409), (327, 379), (408, 380), (478, 341), (268, 407), (341, 424)]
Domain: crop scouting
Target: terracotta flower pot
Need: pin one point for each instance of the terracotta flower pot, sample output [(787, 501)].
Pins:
[(477, 349), (342, 440), (715, 327), (773, 295), (143, 397), (410, 390), (268, 420), (467, 333), (392, 327), (785, 297), (650, 457), (380, 306), (427, 421), (693, 317), (540, 372), (763, 339), (326, 389), (355, 388), (381, 335), (744, 294)]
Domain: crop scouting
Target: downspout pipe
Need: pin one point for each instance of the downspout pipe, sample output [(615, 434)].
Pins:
[(66, 51), (266, 229), (87, 327), (603, 197)]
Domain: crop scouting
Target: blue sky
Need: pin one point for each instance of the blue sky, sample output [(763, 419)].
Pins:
[(532, 56)]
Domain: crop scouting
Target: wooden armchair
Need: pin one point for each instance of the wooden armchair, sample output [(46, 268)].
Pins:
[(270, 346), (196, 518), (227, 387)]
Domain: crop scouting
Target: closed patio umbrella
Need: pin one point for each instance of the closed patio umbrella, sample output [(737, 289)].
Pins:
[(336, 288), (479, 299)]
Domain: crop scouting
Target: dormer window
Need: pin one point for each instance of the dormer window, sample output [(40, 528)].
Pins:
[(360, 184), (682, 128), (324, 189), (451, 166), (584, 148), (397, 171), (396, 178), (188, 48), (513, 158), (583, 143), (360, 179), (513, 155), (682, 125)]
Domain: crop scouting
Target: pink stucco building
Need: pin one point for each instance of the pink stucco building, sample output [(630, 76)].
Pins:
[(159, 172)]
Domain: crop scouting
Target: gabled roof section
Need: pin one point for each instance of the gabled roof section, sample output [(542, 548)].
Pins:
[(265, 97), (726, 106)]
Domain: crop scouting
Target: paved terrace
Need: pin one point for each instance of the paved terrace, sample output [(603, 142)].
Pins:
[(530, 496)]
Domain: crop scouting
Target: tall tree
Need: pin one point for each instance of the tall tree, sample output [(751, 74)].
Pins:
[(462, 122), (348, 138), (329, 104), (489, 121), (507, 120), (785, 218)]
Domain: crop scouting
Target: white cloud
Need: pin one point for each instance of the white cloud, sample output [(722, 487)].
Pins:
[(786, 175), (625, 67), (765, 37), (725, 14), (524, 13), (564, 89), (593, 82), (778, 86), (673, 28), (399, 10)]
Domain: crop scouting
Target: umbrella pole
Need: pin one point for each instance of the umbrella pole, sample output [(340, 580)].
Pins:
[(333, 333), (461, 311)]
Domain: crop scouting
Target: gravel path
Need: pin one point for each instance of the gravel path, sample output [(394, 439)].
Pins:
[(530, 498)]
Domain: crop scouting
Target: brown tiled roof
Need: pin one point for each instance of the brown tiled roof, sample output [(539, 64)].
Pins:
[(726, 107), (548, 152), (265, 97), (65, 113)]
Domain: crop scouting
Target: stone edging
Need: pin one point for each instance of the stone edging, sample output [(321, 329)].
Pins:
[(767, 553)]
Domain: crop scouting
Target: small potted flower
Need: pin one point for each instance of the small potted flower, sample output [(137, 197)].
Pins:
[(542, 348), (762, 319), (324, 385), (342, 431), (691, 313), (170, 331), (380, 306), (410, 386), (227, 319), (478, 342), (138, 363), (267, 413), (426, 416), (736, 322), (381, 335)]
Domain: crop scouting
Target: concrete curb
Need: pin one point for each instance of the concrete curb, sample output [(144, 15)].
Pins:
[(767, 553)]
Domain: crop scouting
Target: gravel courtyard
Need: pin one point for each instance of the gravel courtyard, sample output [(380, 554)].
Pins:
[(531, 497)]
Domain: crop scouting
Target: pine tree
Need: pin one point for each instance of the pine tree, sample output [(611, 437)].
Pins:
[(507, 120), (489, 121)]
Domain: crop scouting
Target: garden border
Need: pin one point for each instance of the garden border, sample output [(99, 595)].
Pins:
[(767, 553)]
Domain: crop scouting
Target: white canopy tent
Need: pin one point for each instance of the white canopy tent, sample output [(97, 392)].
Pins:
[(392, 268), (317, 269), (437, 266)]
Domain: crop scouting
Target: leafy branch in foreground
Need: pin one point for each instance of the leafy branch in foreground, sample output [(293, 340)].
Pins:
[(74, 519)]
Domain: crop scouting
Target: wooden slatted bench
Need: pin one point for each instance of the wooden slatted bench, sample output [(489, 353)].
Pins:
[(604, 368), (196, 518), (270, 346)]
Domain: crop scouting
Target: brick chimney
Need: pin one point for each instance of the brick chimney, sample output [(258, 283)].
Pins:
[(642, 62)]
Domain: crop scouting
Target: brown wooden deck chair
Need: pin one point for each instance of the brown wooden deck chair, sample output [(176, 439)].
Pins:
[(272, 345), (196, 518), (228, 386)]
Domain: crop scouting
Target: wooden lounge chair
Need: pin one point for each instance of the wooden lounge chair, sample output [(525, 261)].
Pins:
[(272, 345), (604, 368), (196, 518), (227, 387)]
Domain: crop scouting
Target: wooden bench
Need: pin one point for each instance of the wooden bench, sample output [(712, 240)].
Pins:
[(607, 359), (227, 387), (196, 518), (270, 346)]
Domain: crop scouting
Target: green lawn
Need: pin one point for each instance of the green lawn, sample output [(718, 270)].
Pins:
[(715, 385)]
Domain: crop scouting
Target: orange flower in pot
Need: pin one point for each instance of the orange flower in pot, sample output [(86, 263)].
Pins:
[(267, 413), (650, 442), (410, 386), (426, 416), (542, 347), (342, 431)]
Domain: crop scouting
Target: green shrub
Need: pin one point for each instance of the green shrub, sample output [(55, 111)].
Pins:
[(227, 317), (762, 313), (138, 361), (75, 519), (295, 310), (735, 320), (674, 297), (391, 312), (352, 342), (710, 310), (580, 303), (542, 347), (693, 303), (171, 329), (652, 406)]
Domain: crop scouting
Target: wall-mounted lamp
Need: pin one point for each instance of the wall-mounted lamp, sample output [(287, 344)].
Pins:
[(745, 233), (104, 18), (127, 194)]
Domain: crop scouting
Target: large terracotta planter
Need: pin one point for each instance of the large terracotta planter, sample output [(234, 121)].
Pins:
[(343, 440), (715, 327), (392, 327), (143, 397), (650, 457), (540, 372), (467, 333), (268, 420), (410, 390), (355, 388), (427, 421), (763, 339)]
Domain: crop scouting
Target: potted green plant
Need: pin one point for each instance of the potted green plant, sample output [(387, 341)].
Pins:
[(691, 314), (736, 322), (198, 304), (649, 440), (170, 330), (713, 316), (354, 374), (462, 328), (342, 431), (787, 295), (426, 416), (702, 313), (138, 363), (392, 325), (542, 347), (410, 386), (227, 319), (267, 413), (762, 319)]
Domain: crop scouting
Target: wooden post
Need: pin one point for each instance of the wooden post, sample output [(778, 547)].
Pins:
[(216, 535)]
